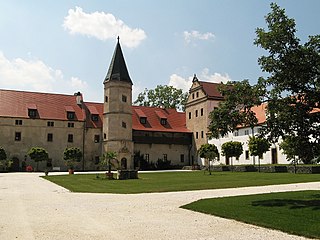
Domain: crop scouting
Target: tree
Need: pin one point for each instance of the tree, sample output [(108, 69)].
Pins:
[(236, 109), (232, 149), (72, 155), (3, 154), (163, 96), (109, 159), (209, 152), (258, 146), (38, 154), (292, 87)]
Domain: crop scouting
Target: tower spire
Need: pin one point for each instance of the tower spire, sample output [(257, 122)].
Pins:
[(118, 69)]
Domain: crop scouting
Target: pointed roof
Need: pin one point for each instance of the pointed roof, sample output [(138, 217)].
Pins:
[(118, 70)]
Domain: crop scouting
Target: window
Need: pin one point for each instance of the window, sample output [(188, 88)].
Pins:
[(165, 157), (163, 121), (124, 125), (32, 113), (197, 135), (236, 133), (50, 124), (143, 120), (189, 115), (146, 157), (95, 117), (124, 98), (96, 138), (197, 94), (196, 113), (182, 158), (247, 154), (50, 137), (106, 99), (70, 124), (17, 136), (70, 137), (201, 111), (104, 136), (19, 122), (202, 134), (192, 95), (71, 115), (96, 160), (246, 132)]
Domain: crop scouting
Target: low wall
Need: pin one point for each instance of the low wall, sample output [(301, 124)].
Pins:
[(270, 169)]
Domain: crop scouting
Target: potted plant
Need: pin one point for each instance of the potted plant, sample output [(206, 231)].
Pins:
[(108, 160), (72, 155)]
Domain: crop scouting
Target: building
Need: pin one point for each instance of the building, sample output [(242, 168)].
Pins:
[(57, 121)]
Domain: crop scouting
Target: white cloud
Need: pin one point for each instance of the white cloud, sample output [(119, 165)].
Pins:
[(185, 83), (180, 82), (102, 26), (215, 77), (35, 75), (189, 36)]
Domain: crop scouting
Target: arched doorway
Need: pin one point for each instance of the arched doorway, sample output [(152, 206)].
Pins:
[(123, 163)]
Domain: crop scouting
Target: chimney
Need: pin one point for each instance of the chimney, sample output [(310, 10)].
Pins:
[(78, 98)]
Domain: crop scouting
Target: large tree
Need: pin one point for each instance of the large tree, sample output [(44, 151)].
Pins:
[(291, 88), (232, 149), (163, 96), (292, 85), (236, 109)]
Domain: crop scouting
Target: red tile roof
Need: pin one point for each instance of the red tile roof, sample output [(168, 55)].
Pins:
[(176, 121), (211, 89), (55, 106)]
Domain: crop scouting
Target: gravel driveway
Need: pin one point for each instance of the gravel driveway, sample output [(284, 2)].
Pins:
[(33, 208)]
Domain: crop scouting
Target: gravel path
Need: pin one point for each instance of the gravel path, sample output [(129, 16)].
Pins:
[(33, 208)]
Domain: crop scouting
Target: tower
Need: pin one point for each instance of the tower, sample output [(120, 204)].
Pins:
[(117, 121)]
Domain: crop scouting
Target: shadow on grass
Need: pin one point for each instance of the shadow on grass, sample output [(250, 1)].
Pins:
[(291, 203)]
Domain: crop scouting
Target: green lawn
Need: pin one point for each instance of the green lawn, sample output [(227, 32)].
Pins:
[(292, 212), (176, 181)]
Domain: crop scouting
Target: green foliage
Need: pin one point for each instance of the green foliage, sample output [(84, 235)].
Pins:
[(236, 109), (208, 151), (269, 210), (292, 87), (232, 149), (72, 155), (141, 163), (162, 96), (296, 147), (258, 145), (163, 164), (109, 160), (38, 154), (3, 154)]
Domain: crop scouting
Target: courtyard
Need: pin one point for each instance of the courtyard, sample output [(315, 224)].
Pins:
[(33, 208)]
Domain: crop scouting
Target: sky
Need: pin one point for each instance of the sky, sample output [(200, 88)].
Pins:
[(66, 46)]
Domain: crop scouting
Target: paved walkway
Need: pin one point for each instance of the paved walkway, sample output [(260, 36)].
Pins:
[(33, 208)]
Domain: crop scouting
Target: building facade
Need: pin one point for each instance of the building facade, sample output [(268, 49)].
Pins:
[(57, 121)]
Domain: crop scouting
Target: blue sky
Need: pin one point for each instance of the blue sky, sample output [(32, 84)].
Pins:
[(66, 46)]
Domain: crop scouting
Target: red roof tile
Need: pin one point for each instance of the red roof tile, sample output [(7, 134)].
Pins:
[(211, 89), (176, 121), (54, 106)]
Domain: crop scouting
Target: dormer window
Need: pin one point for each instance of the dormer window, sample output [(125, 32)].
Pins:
[(162, 117), (143, 120), (163, 121), (95, 117), (32, 110), (32, 113), (70, 115)]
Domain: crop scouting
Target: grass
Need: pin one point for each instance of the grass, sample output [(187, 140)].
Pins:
[(176, 181), (292, 212)]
